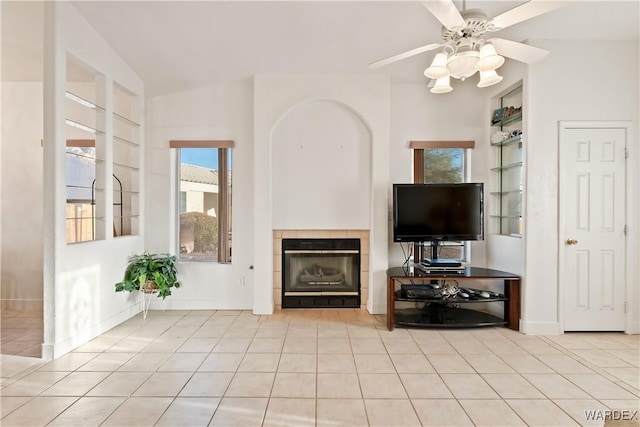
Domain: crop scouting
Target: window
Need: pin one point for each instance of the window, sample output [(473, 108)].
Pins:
[(441, 162), (204, 200)]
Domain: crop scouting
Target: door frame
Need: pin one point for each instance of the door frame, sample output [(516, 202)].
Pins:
[(632, 189)]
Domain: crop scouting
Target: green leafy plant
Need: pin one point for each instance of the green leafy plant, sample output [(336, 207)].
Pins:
[(148, 272), (202, 228)]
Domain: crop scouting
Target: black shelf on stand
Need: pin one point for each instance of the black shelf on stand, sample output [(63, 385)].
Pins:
[(444, 316)]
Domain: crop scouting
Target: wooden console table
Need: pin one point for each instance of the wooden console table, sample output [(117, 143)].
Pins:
[(511, 298)]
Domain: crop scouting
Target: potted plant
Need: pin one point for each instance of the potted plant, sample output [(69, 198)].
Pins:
[(150, 273)]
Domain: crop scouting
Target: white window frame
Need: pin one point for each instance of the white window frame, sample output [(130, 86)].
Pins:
[(224, 194)]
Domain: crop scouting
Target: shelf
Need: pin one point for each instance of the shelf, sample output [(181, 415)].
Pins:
[(448, 313), (97, 218), (84, 187), (125, 120), (85, 128), (84, 156), (80, 100), (508, 141), (445, 317), (125, 141), (505, 167), (455, 300), (508, 120), (132, 168)]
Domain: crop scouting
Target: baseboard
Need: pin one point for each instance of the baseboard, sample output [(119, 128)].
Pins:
[(263, 308), (47, 352), (63, 347), (540, 328), (200, 304), (377, 308)]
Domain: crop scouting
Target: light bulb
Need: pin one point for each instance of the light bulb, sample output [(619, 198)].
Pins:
[(442, 85), (438, 67), (489, 78), (489, 58)]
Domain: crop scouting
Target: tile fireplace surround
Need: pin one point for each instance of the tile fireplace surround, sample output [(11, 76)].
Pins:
[(278, 235)]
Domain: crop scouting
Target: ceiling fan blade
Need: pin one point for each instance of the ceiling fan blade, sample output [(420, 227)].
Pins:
[(519, 51), (523, 12), (445, 12), (404, 55)]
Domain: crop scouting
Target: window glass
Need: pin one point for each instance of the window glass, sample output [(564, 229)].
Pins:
[(445, 165), (204, 206)]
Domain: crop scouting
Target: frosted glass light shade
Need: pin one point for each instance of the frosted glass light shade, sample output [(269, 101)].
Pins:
[(438, 67), (463, 64), (442, 85), (489, 58), (489, 78)]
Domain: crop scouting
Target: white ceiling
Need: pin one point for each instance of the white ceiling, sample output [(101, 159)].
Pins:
[(177, 45)]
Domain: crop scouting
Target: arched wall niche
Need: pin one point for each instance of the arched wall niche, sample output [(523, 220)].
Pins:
[(321, 167)]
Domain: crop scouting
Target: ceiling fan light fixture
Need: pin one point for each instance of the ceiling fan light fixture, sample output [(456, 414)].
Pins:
[(489, 58), (438, 67), (443, 85), (489, 78), (462, 65)]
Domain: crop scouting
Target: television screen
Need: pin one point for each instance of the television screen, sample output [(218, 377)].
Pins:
[(438, 212)]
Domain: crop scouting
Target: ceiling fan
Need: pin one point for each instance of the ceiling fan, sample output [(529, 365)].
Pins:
[(464, 51)]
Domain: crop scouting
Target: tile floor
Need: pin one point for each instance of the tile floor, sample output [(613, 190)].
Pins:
[(21, 333), (323, 368)]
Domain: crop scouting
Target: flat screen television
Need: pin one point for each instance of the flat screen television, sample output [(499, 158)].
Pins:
[(438, 212)]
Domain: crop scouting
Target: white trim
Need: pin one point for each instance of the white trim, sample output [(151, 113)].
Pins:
[(260, 307), (173, 303), (540, 328), (632, 270), (60, 348), (47, 352)]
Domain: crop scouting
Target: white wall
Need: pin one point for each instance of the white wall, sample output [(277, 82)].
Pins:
[(223, 112), (21, 156), (419, 115), (274, 96), (590, 80), (80, 301), (321, 169)]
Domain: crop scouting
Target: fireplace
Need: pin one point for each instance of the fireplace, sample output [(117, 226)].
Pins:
[(319, 273)]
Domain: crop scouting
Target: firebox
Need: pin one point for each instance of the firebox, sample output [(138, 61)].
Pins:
[(320, 273)]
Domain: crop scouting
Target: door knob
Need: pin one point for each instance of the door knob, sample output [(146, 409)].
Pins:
[(572, 242)]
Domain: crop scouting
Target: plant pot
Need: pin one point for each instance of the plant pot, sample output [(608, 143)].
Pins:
[(149, 287)]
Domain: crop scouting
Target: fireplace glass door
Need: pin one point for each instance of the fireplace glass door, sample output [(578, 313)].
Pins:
[(321, 272)]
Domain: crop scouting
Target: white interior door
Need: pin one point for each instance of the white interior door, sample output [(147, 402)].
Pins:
[(592, 227)]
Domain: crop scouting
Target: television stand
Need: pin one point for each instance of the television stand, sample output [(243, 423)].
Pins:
[(454, 312)]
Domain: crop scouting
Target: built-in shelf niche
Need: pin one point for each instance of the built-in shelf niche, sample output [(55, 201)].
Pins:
[(507, 140), (85, 152), (94, 122), (126, 161)]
